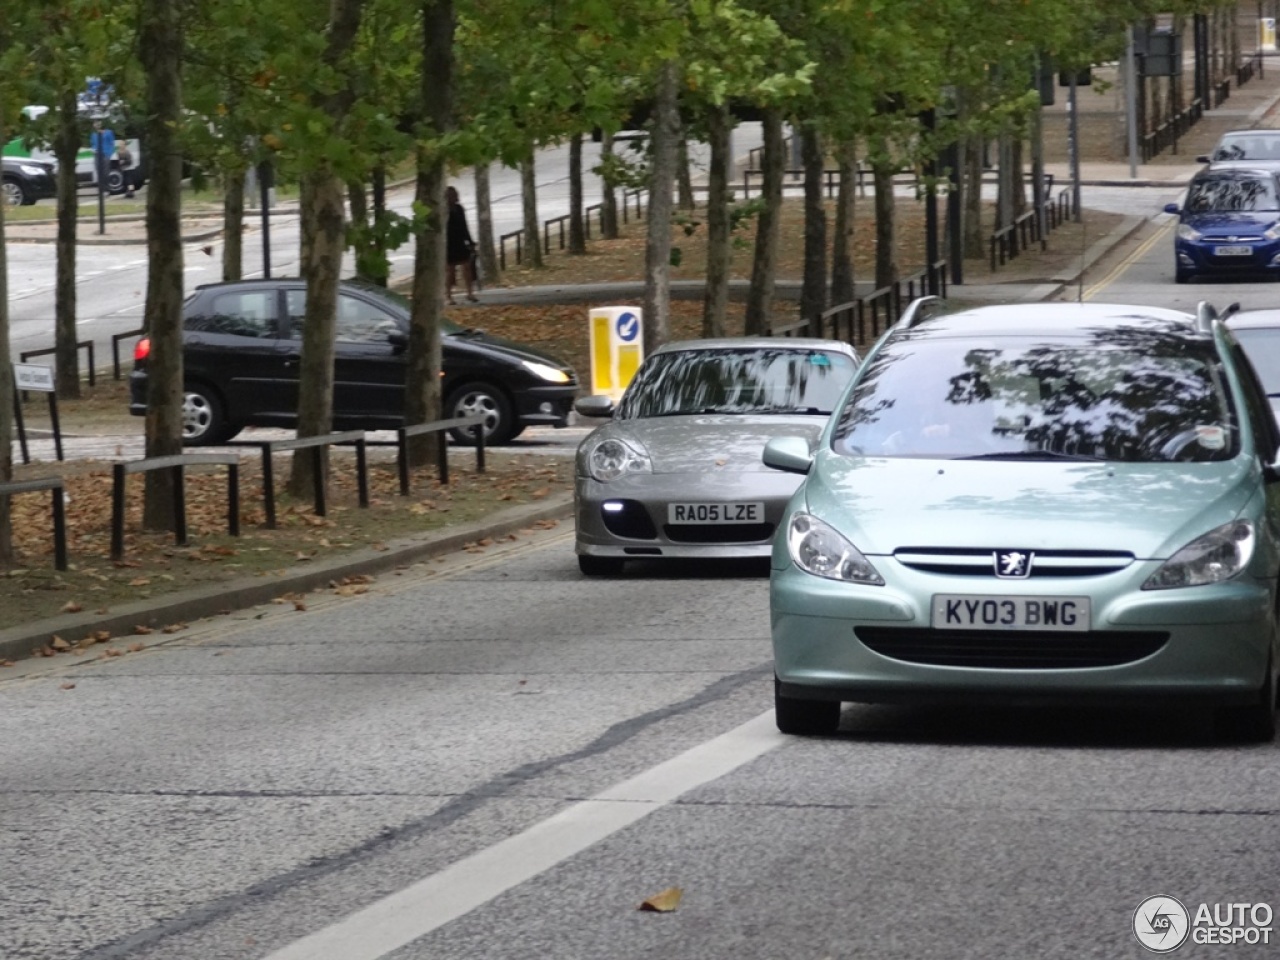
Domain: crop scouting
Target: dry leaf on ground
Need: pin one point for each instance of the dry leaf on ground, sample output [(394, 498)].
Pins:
[(664, 902)]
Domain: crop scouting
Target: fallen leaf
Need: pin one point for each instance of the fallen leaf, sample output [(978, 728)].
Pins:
[(540, 493), (71, 607), (173, 628), (301, 556), (136, 648), (102, 636), (664, 902), (111, 652), (67, 686), (58, 643), (140, 629), (299, 605), (139, 582), (6, 663)]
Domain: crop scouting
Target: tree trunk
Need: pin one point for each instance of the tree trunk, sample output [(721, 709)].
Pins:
[(1004, 191), (684, 176), (577, 230), (1017, 180), (609, 194), (66, 145), (971, 192), (657, 247), (423, 402), (6, 397), (484, 224), (529, 195), (883, 170), (764, 263), (322, 220), (813, 291), (715, 299), (161, 44), (842, 278), (233, 225)]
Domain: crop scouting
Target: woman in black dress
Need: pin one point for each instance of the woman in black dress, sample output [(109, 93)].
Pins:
[(459, 246)]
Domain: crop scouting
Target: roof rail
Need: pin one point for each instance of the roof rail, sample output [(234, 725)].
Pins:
[(914, 314), (1205, 315)]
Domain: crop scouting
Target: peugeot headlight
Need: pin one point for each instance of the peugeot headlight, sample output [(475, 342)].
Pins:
[(1218, 555), (31, 170), (611, 459), (816, 548), (1187, 232), (544, 371)]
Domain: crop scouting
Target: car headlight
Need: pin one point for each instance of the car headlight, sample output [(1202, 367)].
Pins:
[(1186, 232), (816, 548), (611, 459), (545, 371), (30, 170), (1272, 232), (1218, 555)]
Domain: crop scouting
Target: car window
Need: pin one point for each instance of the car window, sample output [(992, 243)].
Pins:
[(1246, 147), (738, 381), (1228, 194), (1261, 421), (242, 313), (357, 321), (1262, 344), (1117, 395)]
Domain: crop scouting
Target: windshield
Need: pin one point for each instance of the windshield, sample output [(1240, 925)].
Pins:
[(1227, 194), (1248, 147), (738, 380), (1263, 348), (1117, 395)]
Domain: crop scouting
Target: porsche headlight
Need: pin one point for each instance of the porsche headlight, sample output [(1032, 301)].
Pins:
[(611, 459), (1218, 555), (1186, 232), (544, 371), (816, 548)]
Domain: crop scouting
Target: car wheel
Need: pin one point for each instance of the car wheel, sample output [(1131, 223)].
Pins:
[(14, 195), (804, 717), (1255, 723), (492, 403), (599, 566), (115, 181), (204, 420)]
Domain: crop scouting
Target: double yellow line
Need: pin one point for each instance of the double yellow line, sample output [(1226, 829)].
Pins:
[(1091, 291)]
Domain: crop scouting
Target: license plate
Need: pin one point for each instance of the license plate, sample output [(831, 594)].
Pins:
[(715, 513), (1233, 251), (970, 612)]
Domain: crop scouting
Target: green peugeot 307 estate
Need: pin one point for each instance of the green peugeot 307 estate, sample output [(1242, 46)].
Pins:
[(1037, 503)]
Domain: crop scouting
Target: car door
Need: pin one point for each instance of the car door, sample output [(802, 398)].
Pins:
[(368, 369), (233, 341)]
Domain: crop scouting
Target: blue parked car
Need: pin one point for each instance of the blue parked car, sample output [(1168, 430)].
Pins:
[(1035, 504), (1228, 225)]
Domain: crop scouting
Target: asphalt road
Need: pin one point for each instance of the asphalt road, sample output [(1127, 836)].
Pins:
[(492, 756)]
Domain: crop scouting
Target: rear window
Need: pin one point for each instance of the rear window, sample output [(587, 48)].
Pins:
[(1117, 395), (764, 380)]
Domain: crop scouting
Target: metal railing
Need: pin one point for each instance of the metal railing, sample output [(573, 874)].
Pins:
[(58, 506), (316, 445), (176, 464), (1006, 243), (85, 345), (442, 452), (115, 347)]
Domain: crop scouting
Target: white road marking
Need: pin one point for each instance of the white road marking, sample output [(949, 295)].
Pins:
[(430, 903)]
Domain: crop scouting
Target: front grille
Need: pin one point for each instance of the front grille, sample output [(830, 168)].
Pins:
[(631, 522), (971, 562), (1012, 650), (718, 532)]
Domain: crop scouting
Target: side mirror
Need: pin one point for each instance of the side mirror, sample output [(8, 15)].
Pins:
[(398, 339), (1171, 208), (1203, 158), (595, 406), (790, 454)]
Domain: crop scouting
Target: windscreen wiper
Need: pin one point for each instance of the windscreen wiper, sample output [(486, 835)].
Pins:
[(1033, 455)]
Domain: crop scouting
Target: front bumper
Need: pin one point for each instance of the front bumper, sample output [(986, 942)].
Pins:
[(546, 406), (1209, 642), (1197, 257), (641, 528)]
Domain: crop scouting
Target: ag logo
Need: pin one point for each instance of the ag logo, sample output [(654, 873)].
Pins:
[(1161, 924)]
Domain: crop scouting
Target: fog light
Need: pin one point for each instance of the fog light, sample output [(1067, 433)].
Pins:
[(611, 506), (545, 408), (1185, 261)]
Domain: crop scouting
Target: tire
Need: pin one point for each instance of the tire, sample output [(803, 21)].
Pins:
[(599, 566), (1255, 723), (204, 418), (804, 717), (14, 195), (483, 398), (115, 181)]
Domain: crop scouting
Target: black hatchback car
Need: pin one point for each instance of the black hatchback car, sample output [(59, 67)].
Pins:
[(242, 345), (26, 181)]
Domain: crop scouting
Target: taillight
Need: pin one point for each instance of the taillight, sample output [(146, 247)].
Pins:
[(142, 350)]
